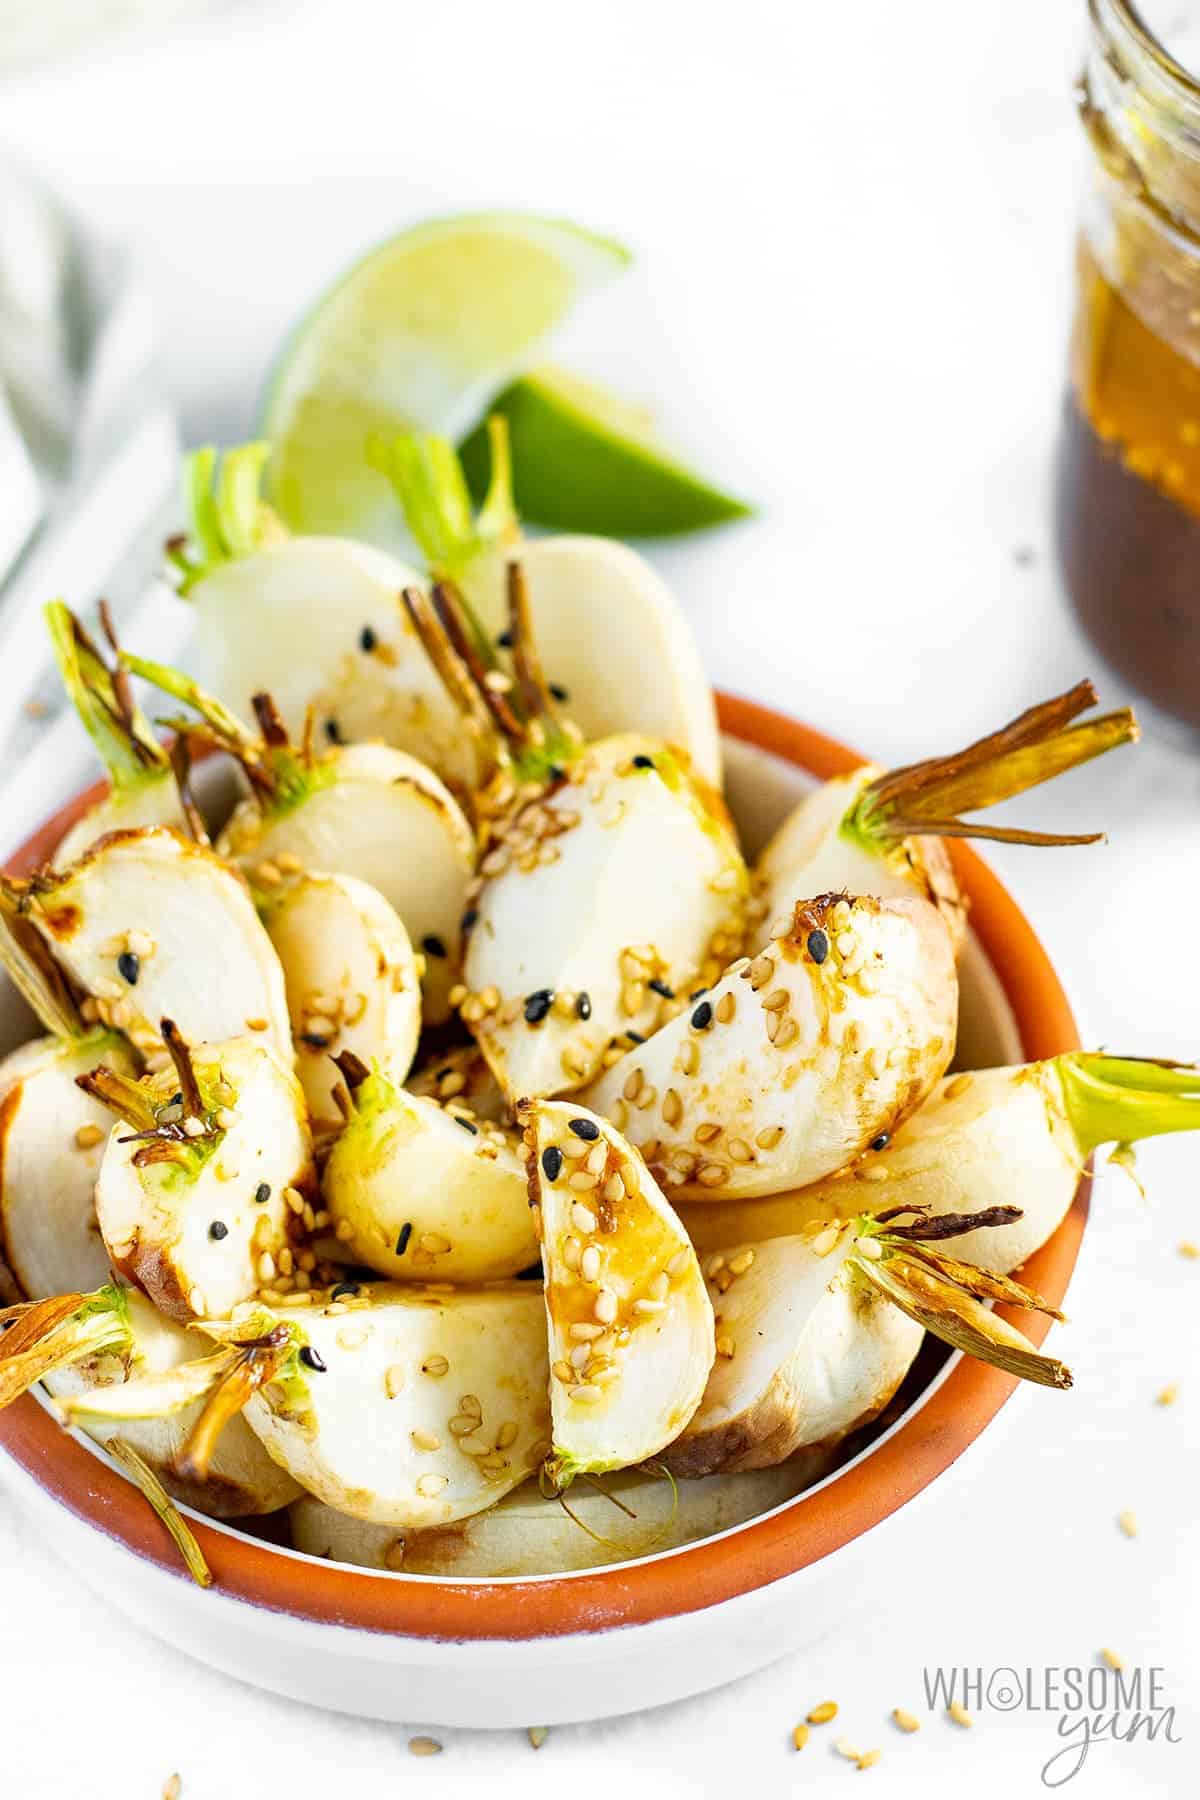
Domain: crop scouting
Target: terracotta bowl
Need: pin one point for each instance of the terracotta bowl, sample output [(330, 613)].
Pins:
[(471, 1652)]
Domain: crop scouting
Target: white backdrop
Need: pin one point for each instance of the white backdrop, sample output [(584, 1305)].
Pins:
[(853, 227)]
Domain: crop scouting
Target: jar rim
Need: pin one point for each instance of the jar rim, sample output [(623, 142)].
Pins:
[(1126, 16)]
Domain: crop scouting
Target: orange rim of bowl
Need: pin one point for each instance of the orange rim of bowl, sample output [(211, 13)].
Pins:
[(943, 1424)]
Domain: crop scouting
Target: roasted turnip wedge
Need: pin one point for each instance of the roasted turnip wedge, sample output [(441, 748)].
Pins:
[(52, 1137), (878, 833), (117, 1368), (407, 1406), (630, 1325), (194, 1190), (352, 980), (359, 809), (815, 1333), (317, 620), (142, 789), (146, 923), (977, 1139), (616, 1519), (51, 1134), (571, 943), (796, 1060), (419, 1190), (612, 635)]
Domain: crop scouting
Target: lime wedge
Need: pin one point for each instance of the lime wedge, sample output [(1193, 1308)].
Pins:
[(419, 335), (584, 460)]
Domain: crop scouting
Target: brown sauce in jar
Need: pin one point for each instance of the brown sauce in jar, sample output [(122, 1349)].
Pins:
[(1128, 495)]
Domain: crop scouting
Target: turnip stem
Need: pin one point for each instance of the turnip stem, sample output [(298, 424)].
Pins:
[(53, 1333), (1112, 1099), (928, 798)]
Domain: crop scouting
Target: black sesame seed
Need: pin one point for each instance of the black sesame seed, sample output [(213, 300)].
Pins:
[(367, 639), (466, 1124), (314, 1040), (128, 967), (556, 772), (402, 1240), (333, 731), (505, 640), (882, 1141), (433, 946), (696, 993), (559, 693), (635, 1037), (660, 987), (262, 1193), (583, 1005), (469, 918), (311, 1359), (643, 762), (532, 1273), (585, 1129), (702, 1017), (552, 1162), (218, 1230), (818, 946), (345, 1290), (175, 1100), (538, 1005)]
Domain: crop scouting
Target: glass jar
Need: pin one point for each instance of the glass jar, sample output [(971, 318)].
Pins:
[(1128, 480)]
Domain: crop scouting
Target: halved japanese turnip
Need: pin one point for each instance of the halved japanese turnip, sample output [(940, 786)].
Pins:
[(364, 810), (119, 1369), (816, 1332), (149, 925), (980, 1138), (421, 1190), (52, 1137), (615, 1519), (351, 976), (193, 1192), (614, 640), (611, 880), (316, 620), (630, 1324), (402, 1405), (796, 1060), (878, 832)]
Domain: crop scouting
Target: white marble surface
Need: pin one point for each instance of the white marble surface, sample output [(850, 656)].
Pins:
[(853, 228)]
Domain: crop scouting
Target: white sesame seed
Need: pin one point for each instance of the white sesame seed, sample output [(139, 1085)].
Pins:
[(429, 1485), (582, 1219), (605, 1307), (393, 1380), (587, 1393), (424, 1746), (589, 1263), (425, 1440)]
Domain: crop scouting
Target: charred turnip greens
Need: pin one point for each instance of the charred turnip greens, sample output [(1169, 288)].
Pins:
[(471, 1138)]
